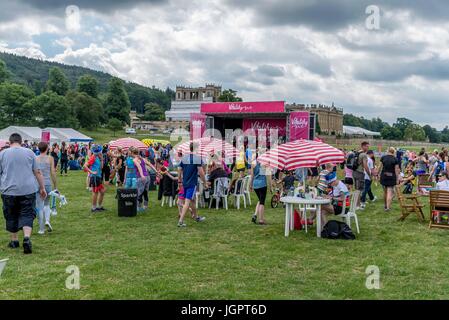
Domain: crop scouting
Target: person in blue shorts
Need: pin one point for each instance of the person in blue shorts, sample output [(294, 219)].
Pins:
[(189, 169)]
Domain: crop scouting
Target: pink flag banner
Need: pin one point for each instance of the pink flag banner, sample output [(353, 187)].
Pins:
[(299, 126), (45, 136), (197, 125)]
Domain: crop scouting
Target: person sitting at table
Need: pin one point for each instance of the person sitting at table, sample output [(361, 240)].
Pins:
[(409, 179), (339, 195), (215, 171), (323, 185)]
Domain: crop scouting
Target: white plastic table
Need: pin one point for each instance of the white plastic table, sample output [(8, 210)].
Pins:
[(291, 201)]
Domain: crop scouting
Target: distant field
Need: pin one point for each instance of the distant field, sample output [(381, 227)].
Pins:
[(103, 135)]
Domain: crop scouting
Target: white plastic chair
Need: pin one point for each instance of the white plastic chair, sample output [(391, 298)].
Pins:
[(169, 199), (307, 207), (199, 199), (247, 191), (239, 192), (2, 265), (352, 210), (221, 191)]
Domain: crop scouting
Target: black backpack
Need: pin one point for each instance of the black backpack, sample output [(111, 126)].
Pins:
[(353, 161), (337, 230)]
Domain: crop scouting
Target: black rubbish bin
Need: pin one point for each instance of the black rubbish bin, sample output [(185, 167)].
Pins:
[(127, 202)]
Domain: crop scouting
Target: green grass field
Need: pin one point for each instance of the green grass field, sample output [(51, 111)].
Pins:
[(226, 257)]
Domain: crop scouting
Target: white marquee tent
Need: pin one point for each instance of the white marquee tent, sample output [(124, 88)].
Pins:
[(68, 135), (34, 134), (356, 131)]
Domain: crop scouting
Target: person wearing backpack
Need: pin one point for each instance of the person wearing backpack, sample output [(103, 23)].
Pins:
[(437, 167), (359, 165)]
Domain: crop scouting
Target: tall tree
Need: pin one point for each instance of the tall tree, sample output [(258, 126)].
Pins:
[(154, 112), (57, 81), (432, 134), (13, 104), (88, 85), (414, 132), (229, 96), (37, 87), (402, 124), (114, 125), (53, 111), (391, 133), (4, 74), (85, 108), (117, 103)]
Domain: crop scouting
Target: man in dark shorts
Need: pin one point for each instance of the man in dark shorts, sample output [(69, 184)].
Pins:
[(189, 169), (362, 167), (20, 180)]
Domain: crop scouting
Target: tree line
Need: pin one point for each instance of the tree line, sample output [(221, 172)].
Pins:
[(57, 104), (402, 129)]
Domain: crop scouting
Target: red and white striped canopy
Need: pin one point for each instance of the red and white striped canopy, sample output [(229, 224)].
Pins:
[(126, 143), (301, 154), (3, 143), (207, 146)]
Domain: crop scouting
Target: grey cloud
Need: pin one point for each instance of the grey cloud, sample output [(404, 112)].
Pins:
[(100, 5), (394, 71), (330, 15), (271, 71), (384, 48)]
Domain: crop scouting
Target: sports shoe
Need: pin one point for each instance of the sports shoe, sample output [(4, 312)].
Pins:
[(100, 209), (49, 227), (14, 244), (27, 246), (254, 219), (41, 232), (200, 219), (362, 206), (140, 209), (181, 224), (375, 199)]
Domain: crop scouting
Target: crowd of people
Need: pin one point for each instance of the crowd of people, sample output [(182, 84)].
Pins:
[(25, 197)]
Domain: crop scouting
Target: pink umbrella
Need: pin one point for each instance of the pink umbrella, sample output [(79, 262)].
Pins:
[(126, 143), (301, 154), (207, 146)]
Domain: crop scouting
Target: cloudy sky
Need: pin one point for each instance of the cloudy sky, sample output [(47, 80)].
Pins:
[(304, 51)]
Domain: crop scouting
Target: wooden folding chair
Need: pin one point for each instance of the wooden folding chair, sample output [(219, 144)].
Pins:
[(424, 182), (439, 202), (409, 204)]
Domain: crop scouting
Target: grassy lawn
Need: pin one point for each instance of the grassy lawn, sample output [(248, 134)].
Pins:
[(226, 257)]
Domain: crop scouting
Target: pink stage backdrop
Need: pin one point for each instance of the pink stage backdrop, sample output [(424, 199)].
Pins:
[(299, 126), (197, 125), (267, 124), (243, 107)]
